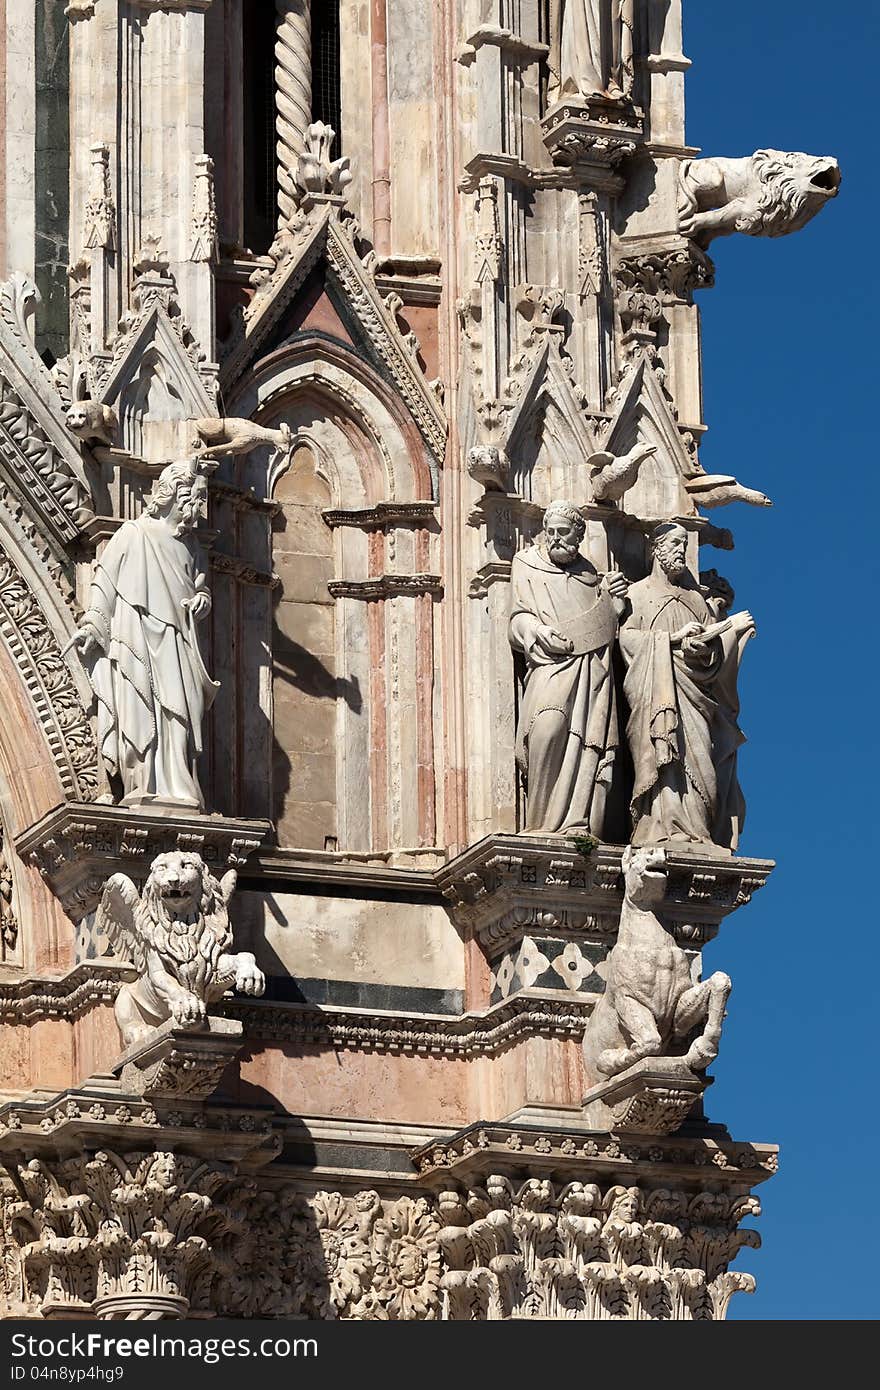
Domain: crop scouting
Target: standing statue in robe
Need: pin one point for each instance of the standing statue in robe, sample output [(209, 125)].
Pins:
[(591, 48), (682, 654), (138, 637), (563, 618)]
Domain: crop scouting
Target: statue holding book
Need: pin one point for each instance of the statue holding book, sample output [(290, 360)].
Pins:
[(682, 654), (563, 618)]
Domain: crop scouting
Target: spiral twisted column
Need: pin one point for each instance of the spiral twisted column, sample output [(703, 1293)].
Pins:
[(293, 95)]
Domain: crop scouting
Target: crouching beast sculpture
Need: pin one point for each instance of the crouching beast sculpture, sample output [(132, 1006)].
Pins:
[(769, 193), (650, 1002), (177, 935)]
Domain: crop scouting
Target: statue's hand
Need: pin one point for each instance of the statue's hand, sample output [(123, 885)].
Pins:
[(551, 642), (744, 623), (85, 641), (694, 649), (689, 631), (199, 606), (617, 584)]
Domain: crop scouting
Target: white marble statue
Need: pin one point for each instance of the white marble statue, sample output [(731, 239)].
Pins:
[(682, 666), (138, 640), (177, 935), (591, 48), (651, 1005), (768, 193), (563, 618)]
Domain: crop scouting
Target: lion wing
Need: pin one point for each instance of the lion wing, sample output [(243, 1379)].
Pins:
[(116, 918)]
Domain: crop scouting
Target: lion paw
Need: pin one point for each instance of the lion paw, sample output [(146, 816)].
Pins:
[(700, 1054), (188, 1009), (249, 978)]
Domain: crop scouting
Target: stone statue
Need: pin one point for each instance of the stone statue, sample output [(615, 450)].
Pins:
[(769, 193), (138, 636), (92, 421), (682, 666), (232, 435), (563, 618), (591, 48), (650, 1002), (177, 935)]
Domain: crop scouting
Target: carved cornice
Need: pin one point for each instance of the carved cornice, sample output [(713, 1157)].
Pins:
[(469, 1035), (386, 586), (592, 135), (242, 571), (77, 847), (49, 683), (32, 998), (495, 886), (483, 1147)]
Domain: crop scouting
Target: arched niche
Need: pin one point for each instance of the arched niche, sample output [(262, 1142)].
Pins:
[(350, 694)]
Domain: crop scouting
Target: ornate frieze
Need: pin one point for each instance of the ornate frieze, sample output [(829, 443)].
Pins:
[(504, 875), (539, 1249), (386, 586), (51, 686), (76, 847)]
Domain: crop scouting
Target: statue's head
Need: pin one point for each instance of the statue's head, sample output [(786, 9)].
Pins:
[(669, 542), (644, 874), (179, 495), (564, 531)]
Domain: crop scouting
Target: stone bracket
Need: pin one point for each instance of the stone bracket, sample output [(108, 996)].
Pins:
[(179, 1061), (654, 1096), (77, 846)]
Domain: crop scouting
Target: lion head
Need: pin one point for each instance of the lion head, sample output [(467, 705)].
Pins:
[(183, 903), (644, 874), (792, 189)]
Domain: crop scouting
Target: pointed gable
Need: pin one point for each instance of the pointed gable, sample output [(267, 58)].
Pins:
[(322, 251)]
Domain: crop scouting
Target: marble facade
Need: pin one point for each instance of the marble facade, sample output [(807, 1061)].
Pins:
[(450, 1032)]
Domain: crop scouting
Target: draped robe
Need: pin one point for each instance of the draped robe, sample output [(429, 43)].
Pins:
[(682, 729), (567, 734), (150, 681), (591, 43)]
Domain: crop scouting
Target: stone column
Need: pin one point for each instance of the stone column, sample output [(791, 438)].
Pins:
[(293, 95)]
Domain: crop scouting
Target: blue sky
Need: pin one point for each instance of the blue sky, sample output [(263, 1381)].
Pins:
[(790, 378)]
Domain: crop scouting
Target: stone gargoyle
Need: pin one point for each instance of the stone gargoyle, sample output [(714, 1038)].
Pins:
[(177, 935), (650, 1002), (768, 193)]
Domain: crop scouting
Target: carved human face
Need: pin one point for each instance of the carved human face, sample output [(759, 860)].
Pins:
[(562, 537), (177, 877), (671, 552), (188, 507)]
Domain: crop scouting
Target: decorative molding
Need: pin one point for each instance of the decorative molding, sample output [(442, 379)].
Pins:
[(538, 1249), (571, 1147), (470, 1035), (496, 887), (387, 586), (77, 847), (592, 135), (242, 571), (49, 683), (204, 244), (385, 515), (99, 230)]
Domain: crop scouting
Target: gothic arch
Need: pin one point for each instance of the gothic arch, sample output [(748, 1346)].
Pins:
[(355, 550)]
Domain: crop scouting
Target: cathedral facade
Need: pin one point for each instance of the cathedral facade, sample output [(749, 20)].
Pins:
[(368, 761)]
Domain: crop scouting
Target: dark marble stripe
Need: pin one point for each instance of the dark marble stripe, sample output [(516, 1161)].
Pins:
[(360, 994)]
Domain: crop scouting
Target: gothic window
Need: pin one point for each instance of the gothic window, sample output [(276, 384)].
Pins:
[(326, 94), (258, 24)]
